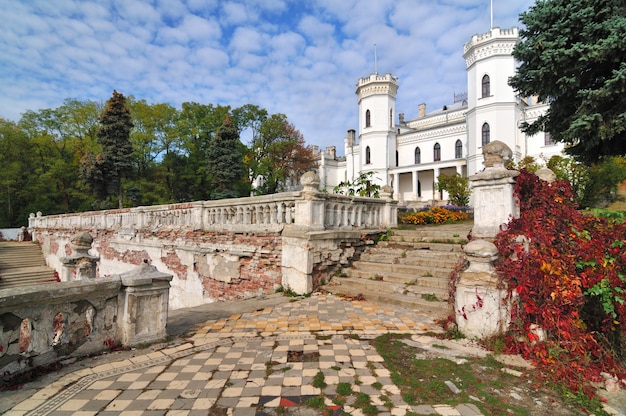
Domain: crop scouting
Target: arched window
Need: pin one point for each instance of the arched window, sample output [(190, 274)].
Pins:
[(367, 156), (458, 150), (397, 158), (419, 188), (418, 156), (486, 134), (547, 139), (368, 119), (486, 86), (437, 152), (391, 117)]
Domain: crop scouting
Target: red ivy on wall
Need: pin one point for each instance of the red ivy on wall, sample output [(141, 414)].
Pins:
[(567, 277)]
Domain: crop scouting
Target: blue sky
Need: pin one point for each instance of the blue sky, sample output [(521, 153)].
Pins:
[(296, 57)]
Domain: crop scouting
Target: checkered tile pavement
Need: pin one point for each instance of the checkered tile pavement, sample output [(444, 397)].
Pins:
[(250, 364)]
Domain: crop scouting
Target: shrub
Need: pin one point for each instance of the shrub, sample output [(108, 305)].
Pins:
[(570, 281), (457, 187)]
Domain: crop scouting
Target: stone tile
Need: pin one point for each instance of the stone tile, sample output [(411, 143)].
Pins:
[(160, 404), (107, 395), (73, 404), (468, 410), (445, 410)]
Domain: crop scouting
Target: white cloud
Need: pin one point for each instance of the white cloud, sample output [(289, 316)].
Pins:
[(302, 59)]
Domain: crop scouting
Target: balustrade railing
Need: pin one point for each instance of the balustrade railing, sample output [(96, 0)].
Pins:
[(263, 213)]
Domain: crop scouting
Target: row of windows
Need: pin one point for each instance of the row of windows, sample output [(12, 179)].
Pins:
[(486, 92), (458, 153)]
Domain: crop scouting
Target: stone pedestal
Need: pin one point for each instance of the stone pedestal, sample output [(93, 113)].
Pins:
[(479, 303), (80, 265), (144, 305)]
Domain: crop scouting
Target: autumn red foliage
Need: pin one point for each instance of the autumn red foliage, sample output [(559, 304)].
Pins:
[(567, 277)]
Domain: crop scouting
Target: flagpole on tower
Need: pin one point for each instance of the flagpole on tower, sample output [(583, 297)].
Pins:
[(491, 13), (375, 61)]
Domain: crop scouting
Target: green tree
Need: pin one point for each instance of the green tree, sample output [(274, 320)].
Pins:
[(278, 155), (576, 173), (59, 138), (572, 57), (188, 175), (105, 171), (226, 169), (457, 188), (361, 186), (17, 163)]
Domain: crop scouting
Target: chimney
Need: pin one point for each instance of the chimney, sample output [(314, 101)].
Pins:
[(351, 137), (421, 111), (331, 151), (401, 117)]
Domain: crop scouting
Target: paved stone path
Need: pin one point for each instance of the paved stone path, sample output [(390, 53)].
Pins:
[(256, 363)]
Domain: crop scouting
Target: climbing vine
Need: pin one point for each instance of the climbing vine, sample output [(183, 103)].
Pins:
[(566, 276)]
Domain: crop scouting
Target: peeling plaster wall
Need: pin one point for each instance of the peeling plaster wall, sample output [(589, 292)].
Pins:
[(207, 266)]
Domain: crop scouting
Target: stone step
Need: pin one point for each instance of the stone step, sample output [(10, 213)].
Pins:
[(457, 230), (23, 264), (415, 257), (389, 293), (430, 282), (17, 255), (427, 239), (380, 269), (422, 245), (26, 277)]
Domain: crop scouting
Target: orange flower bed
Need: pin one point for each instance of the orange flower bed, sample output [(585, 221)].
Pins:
[(436, 215)]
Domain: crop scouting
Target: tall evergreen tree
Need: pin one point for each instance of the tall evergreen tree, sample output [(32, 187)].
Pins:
[(572, 55), (105, 171), (226, 168)]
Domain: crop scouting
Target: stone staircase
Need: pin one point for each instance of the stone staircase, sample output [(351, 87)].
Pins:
[(23, 264), (410, 269)]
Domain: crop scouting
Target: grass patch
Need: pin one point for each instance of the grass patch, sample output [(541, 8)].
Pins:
[(430, 297), (344, 389), (423, 381), (318, 381)]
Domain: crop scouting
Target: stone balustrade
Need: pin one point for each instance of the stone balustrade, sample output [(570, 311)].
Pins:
[(226, 249), (42, 324), (269, 213)]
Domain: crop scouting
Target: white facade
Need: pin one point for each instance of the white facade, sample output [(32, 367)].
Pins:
[(410, 154)]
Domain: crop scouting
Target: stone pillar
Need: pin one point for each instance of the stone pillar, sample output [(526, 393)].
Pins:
[(492, 189), (390, 211), (143, 305), (396, 186), (480, 307), (309, 211), (415, 181), (80, 265), (436, 173)]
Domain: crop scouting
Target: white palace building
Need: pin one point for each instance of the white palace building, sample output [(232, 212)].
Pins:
[(411, 153)]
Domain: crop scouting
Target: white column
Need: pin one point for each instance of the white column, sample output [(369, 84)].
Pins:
[(435, 191), (415, 179), (396, 186)]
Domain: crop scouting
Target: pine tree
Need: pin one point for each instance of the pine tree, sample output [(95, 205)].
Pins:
[(572, 57), (105, 171), (226, 168)]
